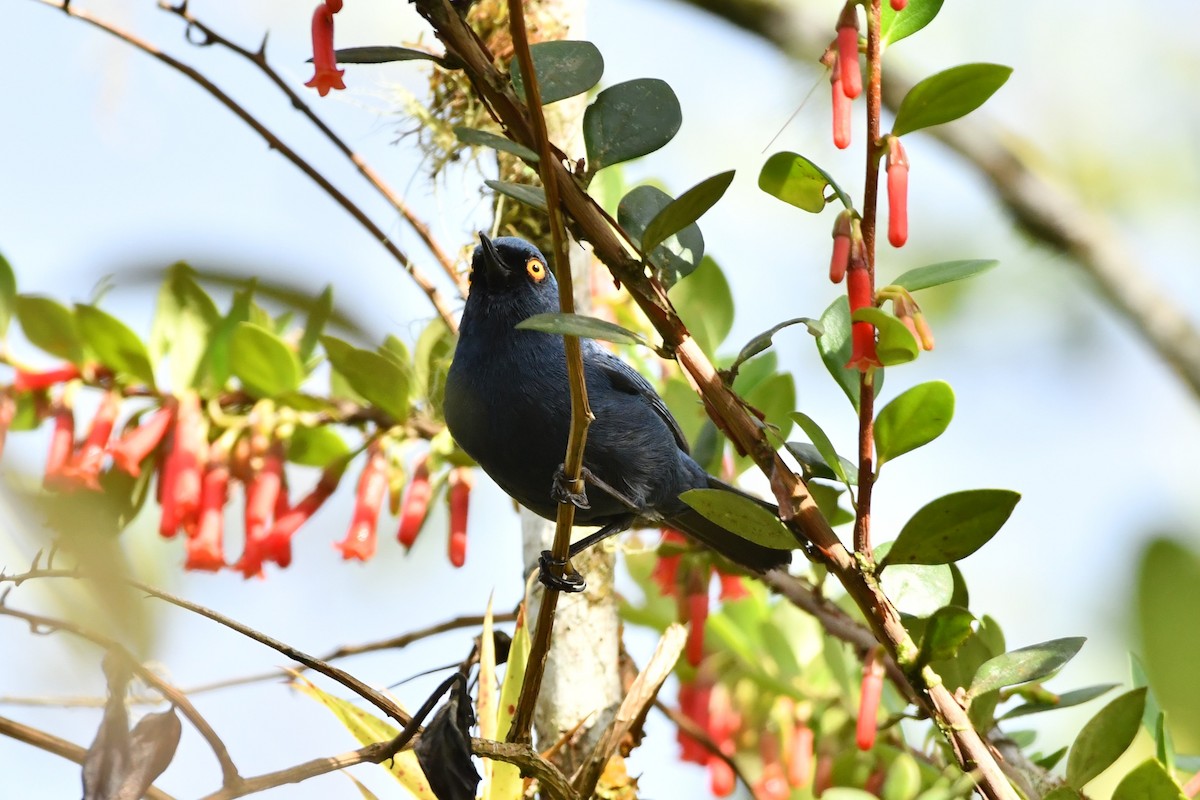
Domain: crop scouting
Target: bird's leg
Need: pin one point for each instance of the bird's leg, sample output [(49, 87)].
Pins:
[(559, 574), (561, 492)]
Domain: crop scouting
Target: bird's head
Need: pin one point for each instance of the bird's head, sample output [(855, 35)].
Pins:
[(513, 267)]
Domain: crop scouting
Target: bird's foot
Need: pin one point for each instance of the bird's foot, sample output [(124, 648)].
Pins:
[(556, 573), (561, 491)]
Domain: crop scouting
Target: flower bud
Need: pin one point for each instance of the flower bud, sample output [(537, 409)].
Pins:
[(897, 191), (800, 756), (899, 5), (459, 499), (415, 504), (372, 487), (868, 704), (694, 700), (697, 614), (842, 229), (841, 109), (847, 47)]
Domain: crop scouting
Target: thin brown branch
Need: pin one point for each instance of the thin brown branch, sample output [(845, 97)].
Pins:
[(229, 773), (59, 747), (274, 143), (550, 778), (581, 414), (259, 59)]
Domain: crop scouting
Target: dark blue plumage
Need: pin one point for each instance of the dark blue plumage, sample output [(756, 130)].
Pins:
[(507, 405)]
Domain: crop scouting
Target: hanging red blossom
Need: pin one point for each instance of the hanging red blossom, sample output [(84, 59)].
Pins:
[(847, 47), (84, 466), (62, 439), (205, 549), (459, 498), (34, 381), (278, 545), (135, 444), (897, 191), (262, 497), (415, 504), (868, 704), (327, 75), (180, 479), (372, 487)]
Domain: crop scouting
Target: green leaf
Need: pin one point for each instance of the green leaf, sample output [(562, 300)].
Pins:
[(915, 418), (1048, 763), (896, 25), (685, 209), (1104, 738), (948, 95), (945, 631), (824, 446), (397, 351), (1150, 780), (952, 527), (1024, 664), (943, 272), (629, 120), (1065, 700), (377, 378), (564, 68), (50, 326), (1168, 605), (1062, 792), (896, 343), (705, 303), (381, 54), (673, 260), (114, 344), (435, 348), (215, 364), (763, 340), (479, 138), (318, 316), (918, 589), (742, 516), (8, 294), (316, 447), (263, 362), (798, 182), (580, 325), (815, 464), (775, 397), (532, 196), (183, 325)]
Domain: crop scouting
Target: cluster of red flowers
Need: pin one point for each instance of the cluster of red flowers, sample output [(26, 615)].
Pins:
[(195, 470), (327, 75)]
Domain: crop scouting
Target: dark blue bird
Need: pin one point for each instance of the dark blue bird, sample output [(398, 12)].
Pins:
[(507, 406)]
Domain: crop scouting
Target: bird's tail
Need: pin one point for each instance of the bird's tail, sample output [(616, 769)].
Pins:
[(754, 557)]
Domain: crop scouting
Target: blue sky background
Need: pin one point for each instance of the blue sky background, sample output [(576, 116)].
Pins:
[(111, 164)]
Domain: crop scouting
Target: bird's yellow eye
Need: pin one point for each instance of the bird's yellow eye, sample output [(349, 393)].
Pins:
[(536, 270)]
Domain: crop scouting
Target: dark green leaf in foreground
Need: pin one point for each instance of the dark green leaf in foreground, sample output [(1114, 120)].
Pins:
[(564, 68), (948, 95), (896, 344), (638, 209), (952, 527), (580, 325), (685, 209), (1064, 700), (1105, 737), (742, 516), (915, 418), (533, 196), (946, 629), (1024, 664), (629, 120), (824, 446)]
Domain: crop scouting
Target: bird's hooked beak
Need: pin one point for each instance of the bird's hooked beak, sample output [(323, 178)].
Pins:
[(497, 273)]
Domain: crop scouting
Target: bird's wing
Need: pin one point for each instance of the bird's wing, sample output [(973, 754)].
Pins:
[(625, 378)]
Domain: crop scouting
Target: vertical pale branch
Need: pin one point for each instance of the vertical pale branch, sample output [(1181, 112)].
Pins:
[(581, 415)]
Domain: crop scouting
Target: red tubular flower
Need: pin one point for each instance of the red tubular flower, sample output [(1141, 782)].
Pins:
[(34, 381), (847, 47), (135, 444), (694, 700), (862, 334), (840, 261), (180, 481), (899, 5), (772, 784), (61, 442), (372, 487), (800, 756), (8, 410), (732, 587), (278, 544), (262, 497), (721, 780), (841, 109), (868, 704), (823, 774), (459, 497), (415, 504), (897, 191), (697, 614), (666, 570), (205, 550), (327, 75), (84, 468)]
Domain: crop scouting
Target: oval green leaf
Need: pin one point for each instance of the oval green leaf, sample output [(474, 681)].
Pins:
[(1150, 780), (8, 294), (896, 344), (316, 447), (1168, 605), (1065, 700), (946, 630), (896, 25), (473, 136), (637, 209), (948, 95), (318, 315), (764, 340), (685, 209), (1105, 737), (564, 68), (816, 465), (705, 303), (1024, 664), (582, 326), (795, 180), (533, 196), (834, 345), (378, 379), (918, 589), (915, 418), (115, 345), (742, 516), (943, 272), (187, 325), (629, 120), (824, 446), (50, 326), (263, 362), (952, 527)]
